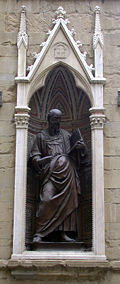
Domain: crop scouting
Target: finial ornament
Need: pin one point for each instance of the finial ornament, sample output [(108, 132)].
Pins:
[(22, 35), (60, 13), (97, 10), (98, 36), (23, 9)]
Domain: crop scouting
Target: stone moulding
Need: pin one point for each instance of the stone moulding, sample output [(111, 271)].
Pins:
[(93, 86), (32, 269)]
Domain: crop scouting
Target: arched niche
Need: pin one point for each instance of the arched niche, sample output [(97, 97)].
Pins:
[(88, 82), (39, 80), (60, 91)]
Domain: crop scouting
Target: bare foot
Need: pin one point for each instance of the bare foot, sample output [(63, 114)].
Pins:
[(37, 239), (65, 238)]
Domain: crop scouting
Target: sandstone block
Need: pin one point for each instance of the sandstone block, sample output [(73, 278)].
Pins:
[(112, 129), (31, 6), (7, 178), (110, 213), (8, 51), (6, 194), (3, 275), (12, 65), (115, 278), (9, 96), (110, 23), (9, 109), (7, 38), (38, 23), (8, 129), (112, 195), (112, 81), (7, 144), (5, 252), (7, 80), (111, 67), (112, 231), (5, 242), (5, 212), (3, 6), (112, 7), (5, 229), (11, 22), (112, 146), (7, 161), (112, 39), (113, 253), (111, 163), (83, 8), (2, 21), (83, 23), (110, 95), (112, 179), (6, 148), (36, 38)]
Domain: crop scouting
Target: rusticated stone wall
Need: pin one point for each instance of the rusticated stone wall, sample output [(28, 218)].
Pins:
[(39, 19)]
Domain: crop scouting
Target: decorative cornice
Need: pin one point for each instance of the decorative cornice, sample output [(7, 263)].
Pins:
[(98, 36), (22, 35)]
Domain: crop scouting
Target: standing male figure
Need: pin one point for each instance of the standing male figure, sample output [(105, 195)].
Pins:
[(56, 164)]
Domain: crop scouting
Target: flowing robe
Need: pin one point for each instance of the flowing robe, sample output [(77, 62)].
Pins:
[(60, 184)]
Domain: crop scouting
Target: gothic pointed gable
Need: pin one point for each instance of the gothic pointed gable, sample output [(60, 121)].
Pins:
[(60, 47)]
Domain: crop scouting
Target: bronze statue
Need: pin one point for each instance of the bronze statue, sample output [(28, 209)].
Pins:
[(56, 157)]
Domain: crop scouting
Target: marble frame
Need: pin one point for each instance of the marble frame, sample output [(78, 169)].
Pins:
[(93, 86)]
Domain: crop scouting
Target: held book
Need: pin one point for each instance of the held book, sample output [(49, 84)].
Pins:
[(75, 137)]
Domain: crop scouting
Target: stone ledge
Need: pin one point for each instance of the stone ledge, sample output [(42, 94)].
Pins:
[(58, 270)]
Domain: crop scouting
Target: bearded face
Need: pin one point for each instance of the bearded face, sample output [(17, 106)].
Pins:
[(54, 124)]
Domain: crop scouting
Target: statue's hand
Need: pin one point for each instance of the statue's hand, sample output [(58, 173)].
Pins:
[(45, 160), (35, 161), (38, 162), (79, 145)]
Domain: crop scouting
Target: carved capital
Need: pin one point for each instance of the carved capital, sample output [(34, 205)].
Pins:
[(22, 117), (21, 120), (97, 118), (97, 121)]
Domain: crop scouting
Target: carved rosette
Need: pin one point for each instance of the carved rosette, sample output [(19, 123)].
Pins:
[(97, 121)]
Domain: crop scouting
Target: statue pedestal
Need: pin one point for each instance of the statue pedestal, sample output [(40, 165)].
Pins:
[(60, 245)]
